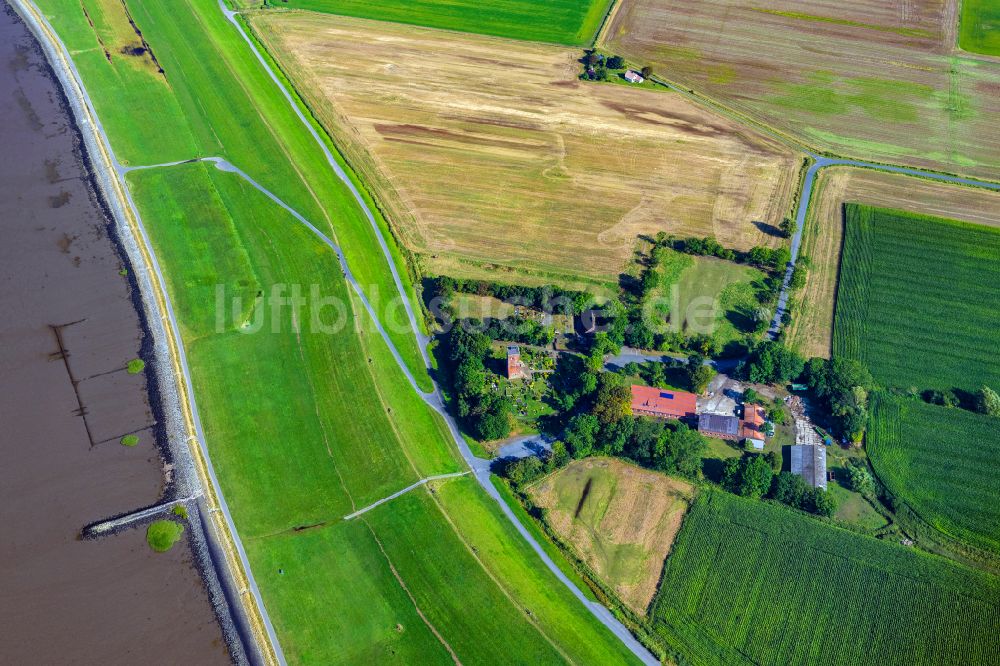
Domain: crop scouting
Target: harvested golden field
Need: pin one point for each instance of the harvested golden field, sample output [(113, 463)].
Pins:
[(811, 331), (489, 154), (872, 79), (619, 518)]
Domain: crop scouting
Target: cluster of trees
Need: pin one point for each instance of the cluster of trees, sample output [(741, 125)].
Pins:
[(768, 258), (988, 402), (514, 329), (547, 298), (598, 67), (774, 259), (602, 423), (842, 386), (860, 479), (754, 476), (772, 363), (486, 414), (985, 400), (522, 471)]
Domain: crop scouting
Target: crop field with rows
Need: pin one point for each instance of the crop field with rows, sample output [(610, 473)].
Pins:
[(571, 22), (943, 463), (750, 582), (919, 299)]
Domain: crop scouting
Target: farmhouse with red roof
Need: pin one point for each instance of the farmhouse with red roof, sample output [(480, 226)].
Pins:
[(660, 403)]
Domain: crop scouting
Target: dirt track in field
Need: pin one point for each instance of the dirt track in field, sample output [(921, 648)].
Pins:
[(491, 151), (811, 331), (621, 519), (870, 79)]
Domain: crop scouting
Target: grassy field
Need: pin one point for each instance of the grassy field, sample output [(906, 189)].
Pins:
[(749, 582), (155, 116), (807, 70), (719, 287), (620, 519), (811, 330), (917, 300), (570, 22), (979, 27), (708, 295), (943, 463), (306, 424), (484, 150)]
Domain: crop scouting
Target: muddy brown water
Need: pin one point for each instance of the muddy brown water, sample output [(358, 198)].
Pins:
[(67, 600)]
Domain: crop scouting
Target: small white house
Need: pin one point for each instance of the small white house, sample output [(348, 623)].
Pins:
[(633, 76)]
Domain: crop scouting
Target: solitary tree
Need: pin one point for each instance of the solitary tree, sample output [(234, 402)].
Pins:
[(988, 402), (647, 72)]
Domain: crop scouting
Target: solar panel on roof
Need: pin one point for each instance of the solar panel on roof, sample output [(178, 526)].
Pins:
[(668, 396)]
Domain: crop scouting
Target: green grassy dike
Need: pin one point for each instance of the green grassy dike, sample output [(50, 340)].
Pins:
[(304, 426), (214, 99)]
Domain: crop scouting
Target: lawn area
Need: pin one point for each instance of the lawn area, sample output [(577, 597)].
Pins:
[(619, 518), (943, 463), (979, 27), (712, 296), (480, 164), (805, 69), (570, 22), (918, 299), (187, 110), (754, 582)]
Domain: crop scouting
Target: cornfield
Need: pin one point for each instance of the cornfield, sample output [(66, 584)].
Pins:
[(753, 582), (919, 299), (944, 463)]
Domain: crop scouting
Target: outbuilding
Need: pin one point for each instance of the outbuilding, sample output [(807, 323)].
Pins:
[(809, 462)]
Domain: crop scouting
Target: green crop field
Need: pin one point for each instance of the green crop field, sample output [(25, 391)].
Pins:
[(756, 583), (979, 26), (918, 300), (570, 22), (304, 425), (943, 463)]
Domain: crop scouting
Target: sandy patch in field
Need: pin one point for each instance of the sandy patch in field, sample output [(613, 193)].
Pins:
[(875, 79), (620, 519), (811, 331), (490, 151)]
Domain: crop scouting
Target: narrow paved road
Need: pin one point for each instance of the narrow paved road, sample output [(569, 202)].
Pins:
[(820, 162)]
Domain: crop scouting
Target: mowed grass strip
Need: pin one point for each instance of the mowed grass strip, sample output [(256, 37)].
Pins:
[(483, 150), (214, 99), (754, 582), (943, 463), (919, 299), (979, 27), (570, 22)]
